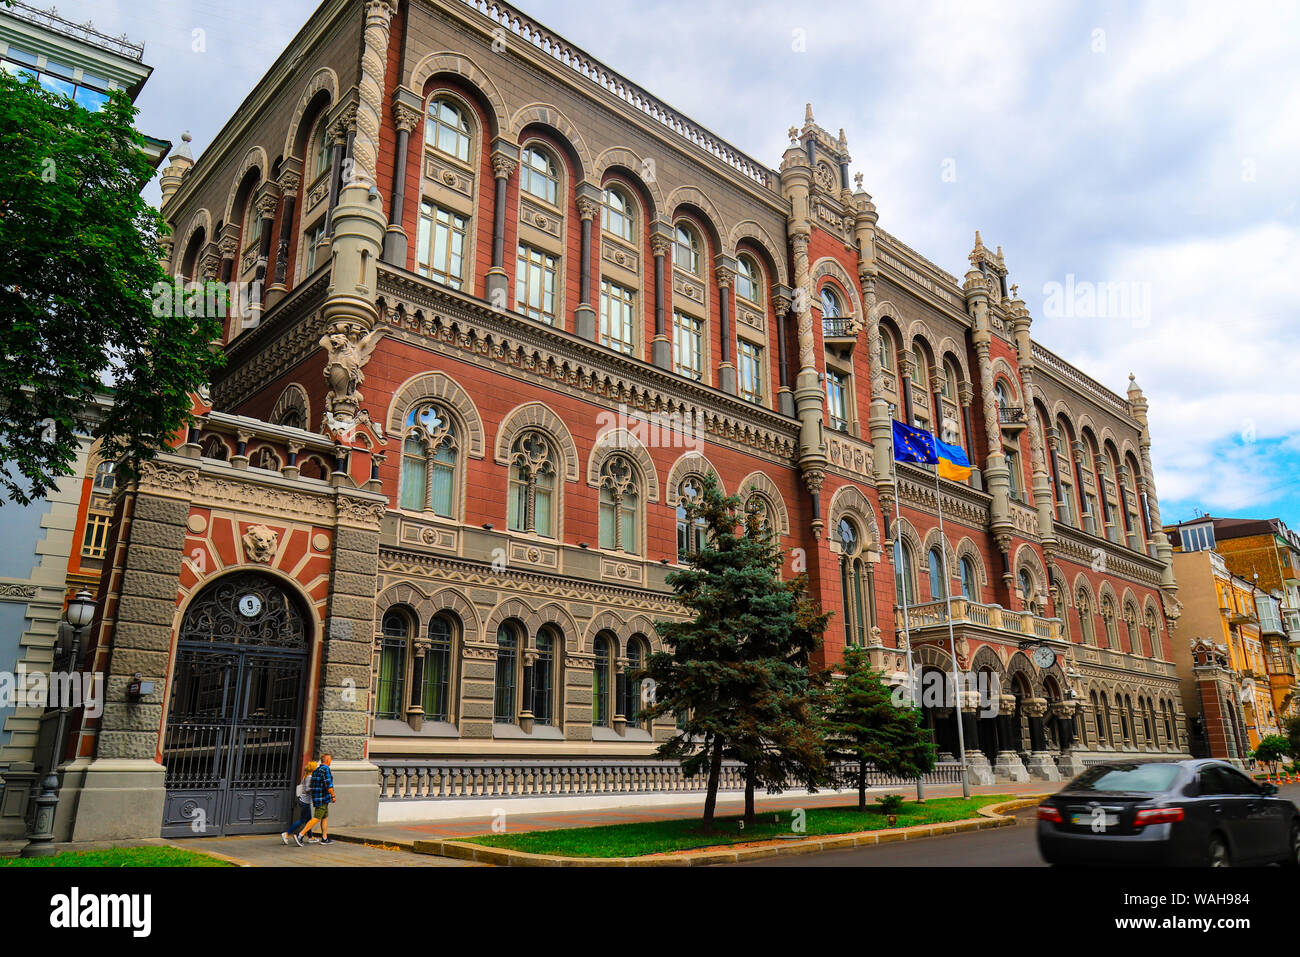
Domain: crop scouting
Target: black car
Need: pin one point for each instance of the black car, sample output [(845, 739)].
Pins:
[(1167, 813)]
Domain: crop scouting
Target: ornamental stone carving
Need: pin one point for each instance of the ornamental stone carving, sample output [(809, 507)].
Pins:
[(349, 348), (260, 543)]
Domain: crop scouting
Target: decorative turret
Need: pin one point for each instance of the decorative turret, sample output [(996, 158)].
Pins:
[(180, 163), (1160, 547)]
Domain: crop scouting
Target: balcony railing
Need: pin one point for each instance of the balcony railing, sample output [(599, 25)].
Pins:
[(84, 32), (1011, 415), (838, 329), (933, 614)]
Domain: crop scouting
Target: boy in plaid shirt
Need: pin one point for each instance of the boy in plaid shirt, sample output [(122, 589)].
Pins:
[(322, 796)]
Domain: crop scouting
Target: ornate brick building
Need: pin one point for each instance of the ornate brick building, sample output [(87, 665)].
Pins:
[(517, 308)]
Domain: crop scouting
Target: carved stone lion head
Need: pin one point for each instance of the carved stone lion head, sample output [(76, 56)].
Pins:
[(260, 542)]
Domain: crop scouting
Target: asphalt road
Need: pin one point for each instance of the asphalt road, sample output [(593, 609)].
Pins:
[(999, 847)]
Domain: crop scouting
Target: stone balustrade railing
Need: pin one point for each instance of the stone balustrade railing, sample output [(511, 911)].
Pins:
[(431, 779), (933, 613)]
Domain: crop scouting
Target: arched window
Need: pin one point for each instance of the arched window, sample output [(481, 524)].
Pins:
[(1108, 619), (214, 448), (686, 249), (395, 635), (601, 681), (1153, 634), (690, 534), (430, 452), (618, 215), (448, 130), (969, 582), (437, 670), (532, 485), (619, 501), (504, 709), (544, 678), (921, 371), (1000, 390), (1131, 631), (857, 584), (950, 381), (1169, 729), (1087, 634), (888, 350), (539, 175), (323, 149), (938, 587), (1027, 591), (632, 686), (292, 418), (105, 477), (758, 505), (749, 282), (904, 573), (831, 308)]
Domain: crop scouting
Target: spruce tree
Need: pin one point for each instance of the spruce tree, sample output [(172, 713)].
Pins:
[(864, 726), (736, 673)]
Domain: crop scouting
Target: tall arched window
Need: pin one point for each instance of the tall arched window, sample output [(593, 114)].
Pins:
[(1087, 632), (904, 572), (938, 587), (690, 534), (856, 584), (636, 657), (761, 508), (437, 670), (749, 283), (105, 477), (618, 215), (1131, 630), (539, 175), (686, 249), (1108, 619), (601, 680), (544, 678), (504, 709), (322, 149), (395, 634), (1028, 594), (532, 485), (970, 588), (447, 129), (888, 350), (1153, 634), (619, 505), (831, 308), (430, 452)]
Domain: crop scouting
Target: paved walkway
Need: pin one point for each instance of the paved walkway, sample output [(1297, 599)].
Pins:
[(404, 833), (265, 850)]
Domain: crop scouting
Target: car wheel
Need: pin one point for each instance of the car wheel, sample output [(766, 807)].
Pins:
[(1216, 855), (1293, 858)]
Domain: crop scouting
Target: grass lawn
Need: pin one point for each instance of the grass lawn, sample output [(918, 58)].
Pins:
[(120, 857), (656, 837)]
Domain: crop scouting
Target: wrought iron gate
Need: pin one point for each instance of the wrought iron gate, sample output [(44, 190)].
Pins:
[(231, 747)]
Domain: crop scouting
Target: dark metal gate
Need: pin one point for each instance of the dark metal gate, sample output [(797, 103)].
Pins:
[(231, 747)]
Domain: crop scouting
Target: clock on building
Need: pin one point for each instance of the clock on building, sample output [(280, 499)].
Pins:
[(1044, 657)]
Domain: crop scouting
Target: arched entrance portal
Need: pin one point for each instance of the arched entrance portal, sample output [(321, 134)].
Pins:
[(231, 747)]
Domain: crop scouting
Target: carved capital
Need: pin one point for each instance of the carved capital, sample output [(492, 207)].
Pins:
[(503, 166), (588, 208), (660, 245), (405, 117)]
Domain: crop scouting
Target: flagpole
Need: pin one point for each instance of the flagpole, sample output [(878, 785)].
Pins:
[(907, 631), (952, 637)]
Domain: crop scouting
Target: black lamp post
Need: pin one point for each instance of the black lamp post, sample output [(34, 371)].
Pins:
[(81, 610)]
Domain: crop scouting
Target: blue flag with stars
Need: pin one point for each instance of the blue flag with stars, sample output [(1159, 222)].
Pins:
[(914, 445)]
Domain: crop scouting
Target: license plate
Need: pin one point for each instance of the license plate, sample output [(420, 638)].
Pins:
[(1087, 820)]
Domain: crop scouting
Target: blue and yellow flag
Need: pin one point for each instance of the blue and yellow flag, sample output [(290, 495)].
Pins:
[(917, 445), (953, 463)]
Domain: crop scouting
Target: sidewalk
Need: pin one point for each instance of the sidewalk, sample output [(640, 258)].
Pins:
[(405, 833)]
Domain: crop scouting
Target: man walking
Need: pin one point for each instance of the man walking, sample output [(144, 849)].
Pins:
[(322, 796)]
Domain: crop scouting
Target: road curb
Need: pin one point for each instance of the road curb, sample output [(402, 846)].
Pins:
[(994, 815)]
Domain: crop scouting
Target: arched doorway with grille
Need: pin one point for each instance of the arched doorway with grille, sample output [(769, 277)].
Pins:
[(234, 720)]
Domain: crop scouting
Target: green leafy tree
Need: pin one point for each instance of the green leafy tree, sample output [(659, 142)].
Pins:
[(1291, 726), (1272, 748), (864, 726), (736, 672), (81, 258)]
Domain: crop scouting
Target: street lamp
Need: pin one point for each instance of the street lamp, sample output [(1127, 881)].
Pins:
[(79, 614)]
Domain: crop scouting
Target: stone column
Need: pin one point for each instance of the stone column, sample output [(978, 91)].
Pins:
[(997, 477), (584, 316), (1041, 479), (661, 353), (619, 721), (505, 160), (725, 270), (1040, 764), (977, 761), (407, 116), (229, 246), (290, 181), (526, 715), (1009, 766), (370, 90), (781, 305)]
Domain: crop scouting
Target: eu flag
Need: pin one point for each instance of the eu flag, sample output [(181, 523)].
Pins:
[(913, 445)]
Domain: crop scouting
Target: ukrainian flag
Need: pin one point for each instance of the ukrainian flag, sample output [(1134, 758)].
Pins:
[(917, 445)]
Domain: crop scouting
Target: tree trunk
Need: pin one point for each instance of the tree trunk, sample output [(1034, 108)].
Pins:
[(715, 772), (749, 797), (862, 785)]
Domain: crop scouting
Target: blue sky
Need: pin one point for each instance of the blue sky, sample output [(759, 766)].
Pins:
[(1149, 149)]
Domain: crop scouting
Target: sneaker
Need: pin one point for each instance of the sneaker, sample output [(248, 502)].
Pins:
[(297, 839), (327, 840), (313, 840), (284, 838)]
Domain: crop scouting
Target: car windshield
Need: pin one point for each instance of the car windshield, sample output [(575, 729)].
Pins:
[(1151, 778)]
